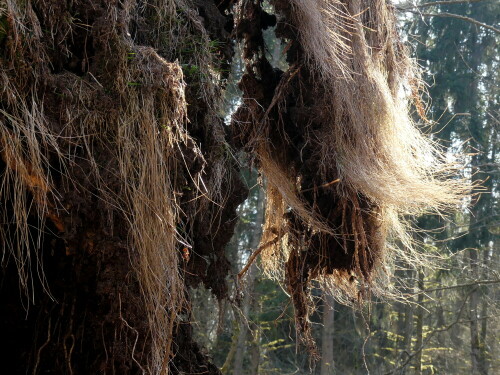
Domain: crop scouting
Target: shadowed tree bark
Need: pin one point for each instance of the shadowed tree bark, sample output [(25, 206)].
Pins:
[(118, 190)]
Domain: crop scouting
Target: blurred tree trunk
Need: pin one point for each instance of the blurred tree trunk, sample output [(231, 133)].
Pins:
[(243, 330), (478, 236), (242, 344), (475, 348), (419, 324), (254, 365), (255, 324), (409, 308), (327, 336), (442, 358)]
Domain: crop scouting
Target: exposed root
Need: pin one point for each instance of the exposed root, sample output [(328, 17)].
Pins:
[(96, 135), (345, 163)]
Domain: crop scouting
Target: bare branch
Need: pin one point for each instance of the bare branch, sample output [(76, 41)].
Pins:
[(452, 15), (431, 334), (255, 254), (434, 3), (476, 283)]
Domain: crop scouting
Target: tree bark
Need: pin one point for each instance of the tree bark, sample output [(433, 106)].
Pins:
[(112, 164), (241, 343)]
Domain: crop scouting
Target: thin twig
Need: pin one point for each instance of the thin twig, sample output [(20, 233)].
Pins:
[(255, 254), (452, 15), (432, 333), (322, 186), (481, 282), (434, 3)]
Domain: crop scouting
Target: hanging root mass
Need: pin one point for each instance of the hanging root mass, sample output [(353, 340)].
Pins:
[(334, 137), (96, 150)]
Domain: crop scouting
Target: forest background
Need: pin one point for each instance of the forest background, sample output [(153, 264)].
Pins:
[(446, 318)]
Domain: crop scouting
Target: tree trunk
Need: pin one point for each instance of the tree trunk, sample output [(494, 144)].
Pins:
[(407, 320), (477, 345), (442, 358), (241, 343), (420, 324), (230, 355), (484, 313), (327, 336), (254, 365), (249, 295), (111, 173)]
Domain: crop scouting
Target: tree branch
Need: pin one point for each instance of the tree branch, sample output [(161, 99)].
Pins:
[(476, 283), (255, 254), (452, 15), (431, 334), (433, 3)]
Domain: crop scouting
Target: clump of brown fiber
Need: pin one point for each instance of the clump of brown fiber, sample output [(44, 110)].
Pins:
[(335, 141), (105, 177)]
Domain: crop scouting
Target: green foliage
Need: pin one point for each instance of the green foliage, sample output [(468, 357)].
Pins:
[(190, 71)]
